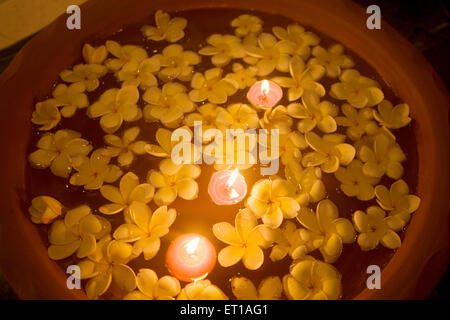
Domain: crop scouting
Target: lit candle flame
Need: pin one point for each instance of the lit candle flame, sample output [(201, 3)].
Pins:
[(265, 87), (192, 245), (232, 178)]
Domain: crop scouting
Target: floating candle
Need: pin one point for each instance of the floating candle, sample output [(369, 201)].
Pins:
[(227, 187), (264, 94), (190, 257)]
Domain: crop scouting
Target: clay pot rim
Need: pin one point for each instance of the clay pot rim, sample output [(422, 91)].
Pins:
[(417, 74)]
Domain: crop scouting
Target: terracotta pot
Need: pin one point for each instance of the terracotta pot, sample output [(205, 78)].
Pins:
[(416, 266)]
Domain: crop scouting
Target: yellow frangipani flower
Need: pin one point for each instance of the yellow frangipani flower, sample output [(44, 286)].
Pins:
[(152, 288), (207, 114), (124, 148), (94, 171), (374, 227), (358, 122), (289, 147), (201, 290), (312, 280), (270, 288), (168, 29), (46, 115), (44, 209), (174, 180), (145, 228), (87, 74), (308, 182), (107, 264), (312, 112), (168, 104), (245, 241), (77, 232), (398, 202), (246, 24), (288, 242), (273, 201), (212, 87), (271, 54), (277, 118), (354, 181), (61, 151), (223, 48), (176, 63), (116, 106), (302, 39), (333, 59), (327, 153), (325, 230), (392, 117), (70, 98), (125, 57), (357, 90), (244, 77), (237, 116), (129, 191), (94, 55), (385, 158), (303, 79), (140, 74)]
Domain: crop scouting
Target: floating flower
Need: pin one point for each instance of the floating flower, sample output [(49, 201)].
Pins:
[(270, 288), (223, 48), (312, 112), (201, 290), (308, 183), (94, 171), (124, 148), (70, 98), (129, 191), (210, 86), (246, 24), (303, 79), (94, 55), (312, 280), (152, 288), (328, 154), (277, 118), (385, 158), (237, 116), (302, 39), (289, 147), (61, 151), (174, 180), (46, 115), (87, 74), (245, 241), (357, 90), (44, 209), (398, 202), (392, 117), (375, 228), (168, 29), (244, 77), (140, 74), (271, 54), (106, 265), (288, 242), (176, 63), (358, 122), (207, 114), (273, 201), (78, 232), (168, 104), (126, 57), (145, 228), (116, 106), (333, 59), (326, 229), (355, 183)]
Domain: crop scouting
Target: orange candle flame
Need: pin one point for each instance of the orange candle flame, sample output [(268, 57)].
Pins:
[(265, 87)]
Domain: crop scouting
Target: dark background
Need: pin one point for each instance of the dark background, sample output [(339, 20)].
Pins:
[(425, 23)]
